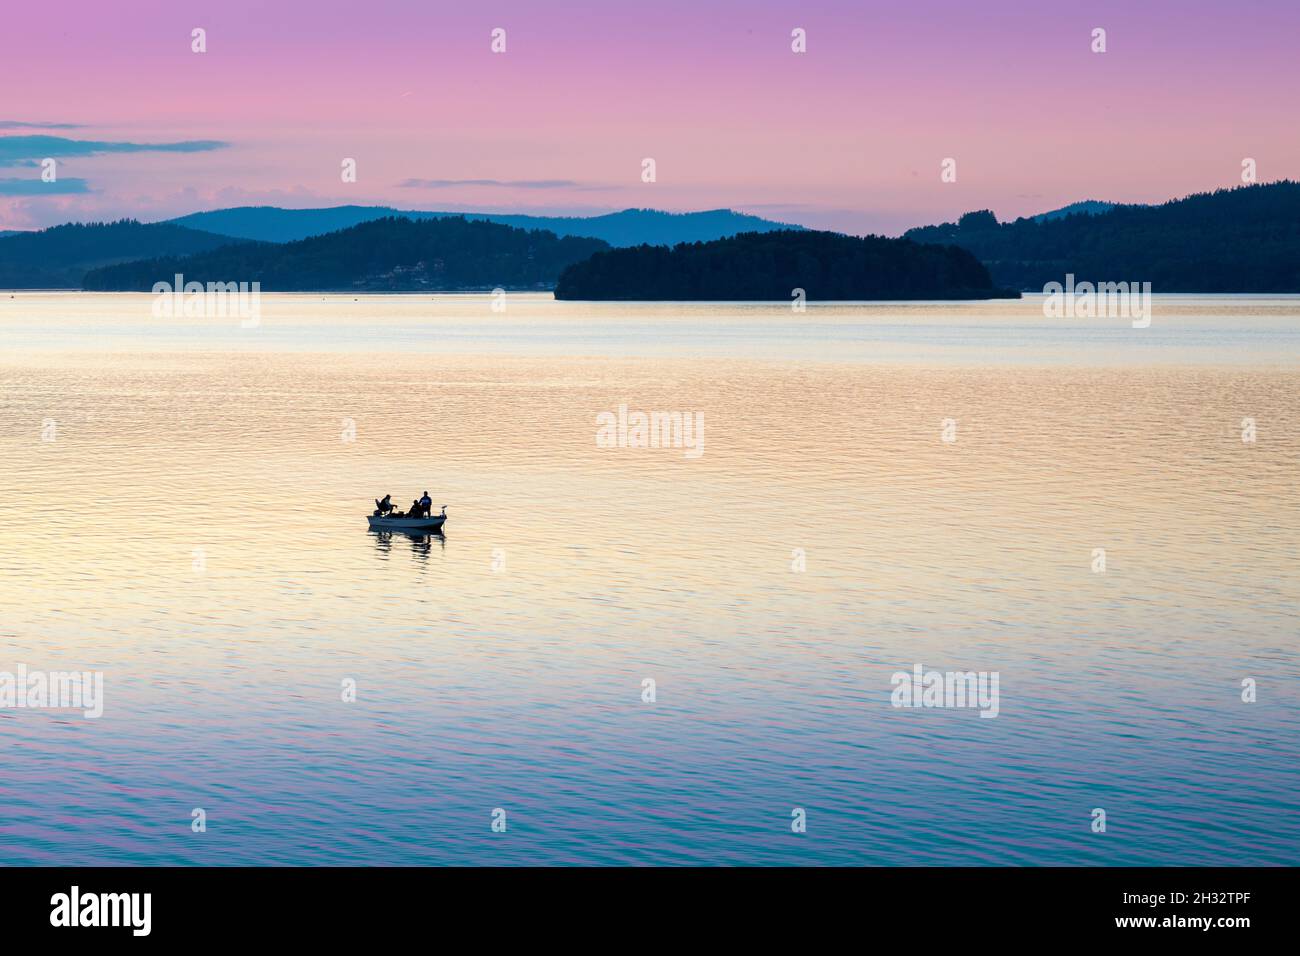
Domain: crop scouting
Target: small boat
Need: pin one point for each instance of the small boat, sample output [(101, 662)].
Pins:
[(403, 523)]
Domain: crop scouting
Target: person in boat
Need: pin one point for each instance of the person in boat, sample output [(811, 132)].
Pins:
[(384, 505), (416, 511), (426, 504)]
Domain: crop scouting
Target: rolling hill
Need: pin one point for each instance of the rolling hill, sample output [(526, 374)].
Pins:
[(59, 257), (631, 227), (1089, 207), (382, 255), (1242, 240)]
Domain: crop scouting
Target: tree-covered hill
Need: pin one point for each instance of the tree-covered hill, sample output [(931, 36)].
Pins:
[(1234, 240), (59, 257), (630, 227), (382, 255), (770, 265)]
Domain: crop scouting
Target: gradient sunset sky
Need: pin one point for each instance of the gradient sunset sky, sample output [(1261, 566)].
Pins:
[(848, 136)]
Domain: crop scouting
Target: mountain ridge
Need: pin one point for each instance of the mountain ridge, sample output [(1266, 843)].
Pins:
[(394, 254), (626, 227)]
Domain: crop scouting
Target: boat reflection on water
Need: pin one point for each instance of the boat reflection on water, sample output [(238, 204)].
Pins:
[(421, 542)]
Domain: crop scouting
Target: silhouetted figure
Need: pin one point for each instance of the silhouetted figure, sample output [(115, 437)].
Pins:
[(384, 505)]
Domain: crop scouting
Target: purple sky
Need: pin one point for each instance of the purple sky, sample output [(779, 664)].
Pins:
[(849, 135)]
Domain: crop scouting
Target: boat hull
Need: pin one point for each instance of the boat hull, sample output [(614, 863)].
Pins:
[(433, 523)]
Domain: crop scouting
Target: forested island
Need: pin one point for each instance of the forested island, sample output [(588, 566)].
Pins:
[(1245, 239), (382, 255), (772, 265)]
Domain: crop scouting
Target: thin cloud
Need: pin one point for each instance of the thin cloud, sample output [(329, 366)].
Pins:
[(19, 124), (497, 183), (35, 187), (20, 150)]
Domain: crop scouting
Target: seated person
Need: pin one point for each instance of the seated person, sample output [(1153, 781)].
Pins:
[(384, 506)]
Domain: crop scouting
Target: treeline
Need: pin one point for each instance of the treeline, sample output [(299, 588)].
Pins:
[(392, 254), (770, 265), (1245, 239)]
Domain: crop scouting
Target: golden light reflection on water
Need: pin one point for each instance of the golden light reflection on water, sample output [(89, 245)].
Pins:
[(197, 530)]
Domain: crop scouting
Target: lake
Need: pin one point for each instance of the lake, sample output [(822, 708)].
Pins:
[(1106, 518)]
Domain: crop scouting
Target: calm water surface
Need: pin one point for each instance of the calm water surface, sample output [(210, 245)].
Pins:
[(196, 530)]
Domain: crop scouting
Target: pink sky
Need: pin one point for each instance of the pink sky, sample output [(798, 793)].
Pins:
[(848, 136)]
